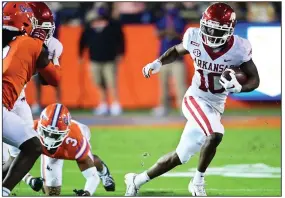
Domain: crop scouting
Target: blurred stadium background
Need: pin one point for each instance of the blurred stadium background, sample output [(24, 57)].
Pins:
[(248, 162)]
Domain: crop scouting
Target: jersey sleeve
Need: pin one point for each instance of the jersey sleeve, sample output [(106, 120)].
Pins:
[(85, 131), (247, 51), (82, 150), (187, 37)]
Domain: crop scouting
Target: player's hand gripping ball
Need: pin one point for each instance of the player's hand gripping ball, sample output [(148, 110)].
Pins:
[(233, 79), (239, 74)]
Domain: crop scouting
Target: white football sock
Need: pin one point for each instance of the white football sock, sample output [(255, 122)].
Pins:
[(141, 179), (27, 178), (198, 178), (5, 192)]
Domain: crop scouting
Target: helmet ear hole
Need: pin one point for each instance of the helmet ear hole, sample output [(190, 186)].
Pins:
[(26, 25)]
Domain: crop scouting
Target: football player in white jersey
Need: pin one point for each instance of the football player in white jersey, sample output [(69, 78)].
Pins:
[(214, 49)]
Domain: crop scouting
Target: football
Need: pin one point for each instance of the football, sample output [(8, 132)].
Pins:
[(240, 75)]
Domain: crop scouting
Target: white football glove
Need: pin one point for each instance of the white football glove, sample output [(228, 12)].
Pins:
[(152, 68), (232, 85), (54, 49)]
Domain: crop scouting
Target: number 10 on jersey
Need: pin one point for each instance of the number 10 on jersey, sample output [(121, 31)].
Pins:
[(213, 79)]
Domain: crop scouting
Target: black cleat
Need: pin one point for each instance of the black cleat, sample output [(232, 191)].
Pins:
[(36, 183), (107, 180)]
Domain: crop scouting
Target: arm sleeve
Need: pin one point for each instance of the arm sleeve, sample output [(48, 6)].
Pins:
[(186, 38), (247, 54), (92, 179)]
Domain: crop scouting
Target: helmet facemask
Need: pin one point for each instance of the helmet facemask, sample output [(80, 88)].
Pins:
[(48, 27), (51, 137), (213, 34)]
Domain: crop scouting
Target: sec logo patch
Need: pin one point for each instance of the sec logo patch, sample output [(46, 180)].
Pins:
[(197, 52)]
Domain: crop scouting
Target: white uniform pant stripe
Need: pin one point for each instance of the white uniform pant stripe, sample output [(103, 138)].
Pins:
[(195, 111)]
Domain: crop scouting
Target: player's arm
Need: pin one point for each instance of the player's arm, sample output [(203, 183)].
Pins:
[(89, 171), (49, 72), (251, 72), (172, 54), (169, 56)]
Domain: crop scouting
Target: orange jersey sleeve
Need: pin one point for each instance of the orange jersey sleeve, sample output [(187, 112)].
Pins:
[(19, 64), (74, 147)]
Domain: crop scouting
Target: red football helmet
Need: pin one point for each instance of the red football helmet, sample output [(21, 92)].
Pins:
[(44, 17), (53, 125), (18, 16), (217, 24)]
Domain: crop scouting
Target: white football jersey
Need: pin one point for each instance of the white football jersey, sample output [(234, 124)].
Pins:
[(209, 66)]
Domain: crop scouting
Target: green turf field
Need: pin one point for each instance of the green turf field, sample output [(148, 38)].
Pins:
[(244, 153)]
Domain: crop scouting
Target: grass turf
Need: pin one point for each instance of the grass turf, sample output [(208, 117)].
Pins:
[(136, 149)]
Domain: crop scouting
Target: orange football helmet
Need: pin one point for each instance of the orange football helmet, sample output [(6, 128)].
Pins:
[(53, 125), (18, 16)]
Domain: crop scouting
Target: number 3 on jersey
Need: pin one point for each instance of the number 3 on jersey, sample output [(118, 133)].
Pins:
[(212, 78), (71, 141)]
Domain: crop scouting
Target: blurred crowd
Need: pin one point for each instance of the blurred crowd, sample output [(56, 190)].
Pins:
[(149, 12), (102, 22)]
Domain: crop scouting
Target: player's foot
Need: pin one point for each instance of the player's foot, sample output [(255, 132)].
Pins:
[(131, 190), (115, 109), (102, 109), (107, 180), (197, 189), (36, 183)]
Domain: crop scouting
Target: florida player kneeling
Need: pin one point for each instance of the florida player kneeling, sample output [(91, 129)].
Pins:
[(66, 139)]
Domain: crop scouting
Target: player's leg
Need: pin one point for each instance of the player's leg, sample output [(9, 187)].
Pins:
[(209, 120), (51, 170), (23, 110), (18, 134), (104, 174), (190, 143)]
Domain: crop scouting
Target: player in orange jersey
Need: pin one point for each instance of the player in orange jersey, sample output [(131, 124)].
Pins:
[(23, 56), (66, 139), (45, 22)]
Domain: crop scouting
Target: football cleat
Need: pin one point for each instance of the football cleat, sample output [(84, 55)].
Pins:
[(107, 180), (36, 183), (131, 190), (197, 190)]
